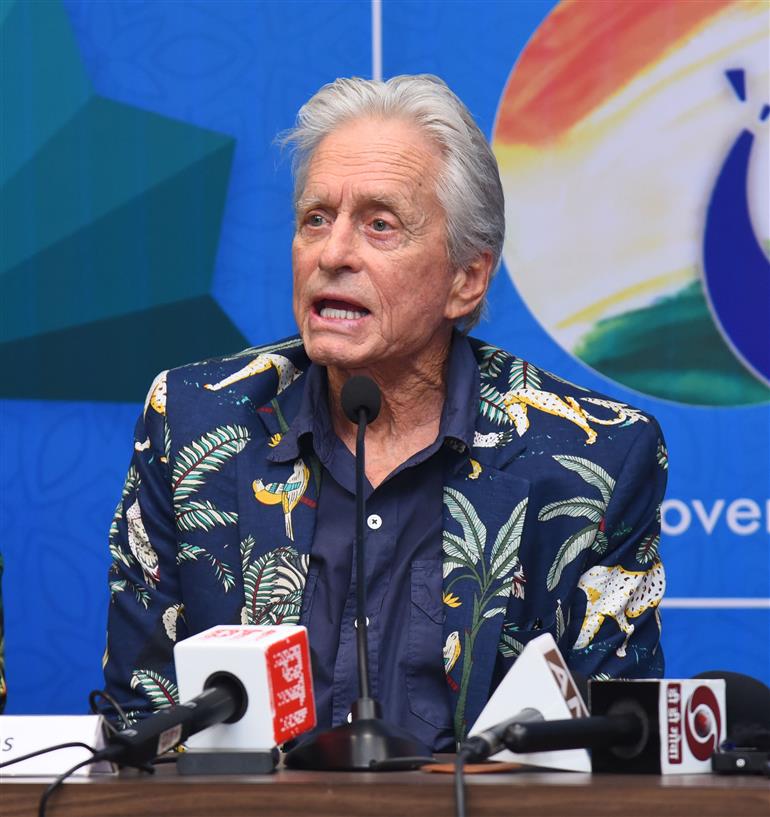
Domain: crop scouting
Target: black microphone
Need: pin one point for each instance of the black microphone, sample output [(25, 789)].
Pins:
[(361, 401), (361, 393), (747, 702), (367, 742), (624, 731), (484, 744), (644, 726), (223, 700), (491, 741)]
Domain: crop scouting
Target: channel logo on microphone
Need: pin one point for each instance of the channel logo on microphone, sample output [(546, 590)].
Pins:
[(684, 724), (693, 725)]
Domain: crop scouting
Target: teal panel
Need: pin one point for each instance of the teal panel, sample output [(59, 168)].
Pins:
[(115, 360), (38, 95), (108, 154), (157, 247)]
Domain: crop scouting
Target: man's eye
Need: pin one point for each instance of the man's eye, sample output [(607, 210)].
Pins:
[(380, 225), (315, 220)]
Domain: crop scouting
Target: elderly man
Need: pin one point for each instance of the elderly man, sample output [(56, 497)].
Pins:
[(503, 501)]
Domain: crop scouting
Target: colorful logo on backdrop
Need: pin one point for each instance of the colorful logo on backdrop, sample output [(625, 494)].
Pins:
[(634, 150)]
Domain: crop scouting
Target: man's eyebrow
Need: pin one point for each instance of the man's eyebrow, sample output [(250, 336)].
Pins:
[(308, 203), (387, 201)]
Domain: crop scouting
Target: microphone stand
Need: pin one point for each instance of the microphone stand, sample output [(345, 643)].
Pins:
[(367, 741)]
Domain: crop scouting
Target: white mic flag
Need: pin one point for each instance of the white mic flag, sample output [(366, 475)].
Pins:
[(272, 664), (539, 679)]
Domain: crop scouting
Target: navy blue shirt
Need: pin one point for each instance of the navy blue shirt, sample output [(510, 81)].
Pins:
[(403, 562)]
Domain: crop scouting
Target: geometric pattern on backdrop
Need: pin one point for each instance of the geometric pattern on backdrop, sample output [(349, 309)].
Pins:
[(126, 209), (621, 121), (244, 69)]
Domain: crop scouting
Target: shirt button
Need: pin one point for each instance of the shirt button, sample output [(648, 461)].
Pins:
[(374, 521), (350, 717)]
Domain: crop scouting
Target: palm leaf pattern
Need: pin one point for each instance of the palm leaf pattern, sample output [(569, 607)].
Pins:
[(523, 375), (591, 536), (191, 553), (167, 440), (662, 455), (600, 543), (505, 551), (273, 585), (568, 552), (465, 556), (509, 647), (247, 546), (492, 405), (492, 360), (161, 691), (560, 623), (593, 509), (204, 455), (592, 473), (474, 532), (648, 549), (203, 515), (141, 593)]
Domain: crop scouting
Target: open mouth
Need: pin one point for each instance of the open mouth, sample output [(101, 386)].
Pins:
[(340, 310)]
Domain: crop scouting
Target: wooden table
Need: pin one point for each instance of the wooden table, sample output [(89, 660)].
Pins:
[(392, 794)]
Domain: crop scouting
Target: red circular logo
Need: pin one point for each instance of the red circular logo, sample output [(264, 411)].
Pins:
[(702, 723)]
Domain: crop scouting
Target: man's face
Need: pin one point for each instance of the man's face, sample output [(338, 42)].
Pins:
[(372, 280)]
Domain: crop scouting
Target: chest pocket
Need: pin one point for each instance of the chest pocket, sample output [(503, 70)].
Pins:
[(426, 684)]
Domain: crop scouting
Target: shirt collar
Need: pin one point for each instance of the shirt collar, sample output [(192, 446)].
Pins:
[(458, 416)]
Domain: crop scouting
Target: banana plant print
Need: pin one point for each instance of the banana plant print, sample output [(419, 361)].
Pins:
[(493, 574), (273, 584), (593, 509), (192, 465)]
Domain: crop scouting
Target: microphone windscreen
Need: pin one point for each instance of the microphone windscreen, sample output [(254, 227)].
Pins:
[(361, 392), (748, 707)]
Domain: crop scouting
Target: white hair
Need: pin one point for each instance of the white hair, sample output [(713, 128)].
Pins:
[(468, 187)]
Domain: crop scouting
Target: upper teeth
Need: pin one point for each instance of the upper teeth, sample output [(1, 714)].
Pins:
[(349, 314)]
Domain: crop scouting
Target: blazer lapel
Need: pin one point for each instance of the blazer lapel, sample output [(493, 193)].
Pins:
[(484, 516), (485, 510)]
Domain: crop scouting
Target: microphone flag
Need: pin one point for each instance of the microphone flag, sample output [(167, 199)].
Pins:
[(272, 663), (686, 720), (539, 679)]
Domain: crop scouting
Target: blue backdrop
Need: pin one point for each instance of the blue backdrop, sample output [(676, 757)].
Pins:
[(235, 73)]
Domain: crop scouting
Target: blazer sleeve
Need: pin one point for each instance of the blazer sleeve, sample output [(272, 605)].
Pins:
[(614, 619), (145, 611)]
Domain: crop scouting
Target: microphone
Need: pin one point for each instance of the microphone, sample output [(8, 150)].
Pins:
[(619, 729), (223, 700), (361, 401), (649, 726), (493, 740), (748, 709), (361, 393), (246, 689), (367, 742), (541, 686)]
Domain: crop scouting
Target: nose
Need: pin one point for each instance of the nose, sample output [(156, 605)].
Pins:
[(340, 249)]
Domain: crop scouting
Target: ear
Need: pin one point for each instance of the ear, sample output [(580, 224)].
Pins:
[(469, 287)]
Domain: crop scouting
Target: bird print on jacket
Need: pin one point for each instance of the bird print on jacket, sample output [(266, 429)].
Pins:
[(550, 524)]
